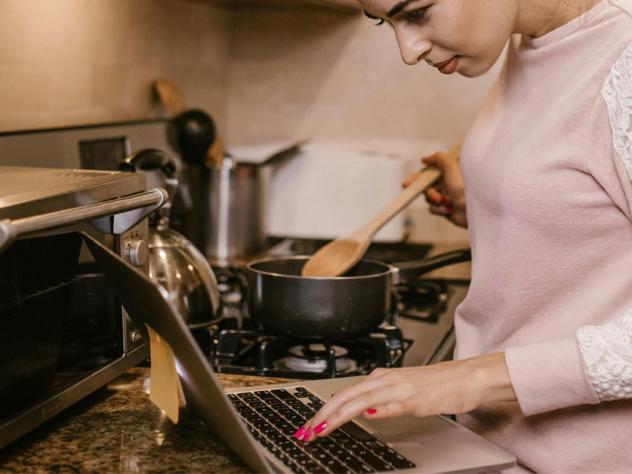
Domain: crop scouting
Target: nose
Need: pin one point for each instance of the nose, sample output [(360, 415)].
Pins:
[(412, 46)]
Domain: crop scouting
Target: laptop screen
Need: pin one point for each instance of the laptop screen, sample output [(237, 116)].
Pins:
[(147, 303)]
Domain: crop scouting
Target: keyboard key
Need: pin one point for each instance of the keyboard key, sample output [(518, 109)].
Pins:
[(272, 416), (283, 394)]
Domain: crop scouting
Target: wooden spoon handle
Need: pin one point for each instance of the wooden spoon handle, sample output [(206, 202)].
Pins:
[(427, 177), (170, 95), (215, 154)]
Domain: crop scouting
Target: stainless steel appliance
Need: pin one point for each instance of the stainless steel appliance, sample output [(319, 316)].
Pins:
[(227, 220), (174, 262), (63, 333)]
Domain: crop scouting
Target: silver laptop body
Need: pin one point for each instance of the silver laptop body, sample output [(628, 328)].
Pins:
[(435, 444)]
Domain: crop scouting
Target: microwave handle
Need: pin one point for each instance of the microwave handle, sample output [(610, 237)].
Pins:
[(146, 202)]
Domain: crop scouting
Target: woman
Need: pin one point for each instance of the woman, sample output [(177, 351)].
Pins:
[(544, 184)]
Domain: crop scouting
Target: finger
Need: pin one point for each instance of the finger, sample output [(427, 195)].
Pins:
[(389, 410), (366, 404), (441, 209), (321, 419), (434, 196), (410, 178), (432, 159), (380, 372)]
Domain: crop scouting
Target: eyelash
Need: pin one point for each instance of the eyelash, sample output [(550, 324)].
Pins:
[(413, 16), (416, 16)]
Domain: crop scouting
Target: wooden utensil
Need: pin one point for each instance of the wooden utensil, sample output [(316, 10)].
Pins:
[(338, 256), (170, 96), (172, 99)]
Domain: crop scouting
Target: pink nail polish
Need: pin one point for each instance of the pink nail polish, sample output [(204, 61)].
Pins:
[(307, 434), (371, 411), (299, 432), (320, 427)]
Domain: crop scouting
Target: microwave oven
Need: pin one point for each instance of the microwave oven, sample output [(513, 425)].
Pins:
[(63, 333)]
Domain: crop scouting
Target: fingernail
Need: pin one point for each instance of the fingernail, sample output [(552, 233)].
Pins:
[(449, 209), (445, 199), (320, 427), (299, 432), (437, 199), (307, 434), (371, 411)]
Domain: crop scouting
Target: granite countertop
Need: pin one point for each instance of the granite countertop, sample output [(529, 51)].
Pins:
[(118, 430)]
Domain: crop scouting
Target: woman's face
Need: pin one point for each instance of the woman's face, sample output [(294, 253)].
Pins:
[(464, 36)]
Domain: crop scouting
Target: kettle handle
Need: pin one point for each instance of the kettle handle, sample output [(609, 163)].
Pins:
[(150, 159)]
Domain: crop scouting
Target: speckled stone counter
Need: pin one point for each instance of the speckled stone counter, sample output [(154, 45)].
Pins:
[(118, 430)]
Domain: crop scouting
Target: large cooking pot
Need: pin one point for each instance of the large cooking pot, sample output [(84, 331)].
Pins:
[(285, 302), (234, 223)]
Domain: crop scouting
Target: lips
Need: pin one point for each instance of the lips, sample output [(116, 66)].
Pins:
[(449, 66)]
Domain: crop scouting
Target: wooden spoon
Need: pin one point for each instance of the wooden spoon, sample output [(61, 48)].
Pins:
[(340, 255), (172, 99), (170, 95)]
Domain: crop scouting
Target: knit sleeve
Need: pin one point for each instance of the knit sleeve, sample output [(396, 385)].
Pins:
[(607, 349), (596, 364)]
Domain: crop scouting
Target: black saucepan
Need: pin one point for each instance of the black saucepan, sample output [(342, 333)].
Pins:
[(285, 302)]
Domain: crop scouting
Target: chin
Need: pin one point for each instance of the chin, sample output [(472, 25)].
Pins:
[(472, 68)]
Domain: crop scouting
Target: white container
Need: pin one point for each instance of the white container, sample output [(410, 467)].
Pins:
[(328, 190)]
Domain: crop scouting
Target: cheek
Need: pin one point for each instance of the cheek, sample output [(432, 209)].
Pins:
[(485, 48)]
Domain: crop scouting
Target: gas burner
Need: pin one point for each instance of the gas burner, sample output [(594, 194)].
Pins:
[(232, 284), (315, 357), (255, 352), (316, 351), (423, 300)]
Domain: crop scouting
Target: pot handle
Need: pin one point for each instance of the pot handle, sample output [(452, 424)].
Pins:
[(411, 270)]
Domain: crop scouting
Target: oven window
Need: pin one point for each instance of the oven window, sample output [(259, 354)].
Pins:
[(58, 319)]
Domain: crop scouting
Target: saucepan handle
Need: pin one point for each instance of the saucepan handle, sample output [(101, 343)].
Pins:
[(410, 270)]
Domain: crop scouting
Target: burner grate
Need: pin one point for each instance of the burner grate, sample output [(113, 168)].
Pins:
[(252, 352)]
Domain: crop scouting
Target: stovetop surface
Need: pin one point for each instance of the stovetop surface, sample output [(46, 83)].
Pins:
[(418, 332)]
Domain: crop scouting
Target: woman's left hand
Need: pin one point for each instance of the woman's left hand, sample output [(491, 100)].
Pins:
[(446, 388)]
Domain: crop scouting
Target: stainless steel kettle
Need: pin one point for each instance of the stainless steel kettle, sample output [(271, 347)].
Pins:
[(174, 262)]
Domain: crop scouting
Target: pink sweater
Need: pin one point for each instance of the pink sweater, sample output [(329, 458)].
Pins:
[(548, 166)]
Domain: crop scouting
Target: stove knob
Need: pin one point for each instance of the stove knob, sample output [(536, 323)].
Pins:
[(137, 252)]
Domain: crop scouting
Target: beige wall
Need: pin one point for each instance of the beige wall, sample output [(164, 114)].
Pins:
[(262, 72), (65, 62), (320, 73)]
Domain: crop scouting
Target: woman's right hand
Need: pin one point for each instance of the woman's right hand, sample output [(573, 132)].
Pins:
[(446, 198)]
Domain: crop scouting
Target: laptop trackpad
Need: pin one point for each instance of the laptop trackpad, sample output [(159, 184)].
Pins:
[(408, 425)]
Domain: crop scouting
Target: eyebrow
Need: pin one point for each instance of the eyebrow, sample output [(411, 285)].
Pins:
[(398, 8)]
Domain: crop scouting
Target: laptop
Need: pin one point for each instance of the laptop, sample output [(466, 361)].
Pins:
[(257, 423)]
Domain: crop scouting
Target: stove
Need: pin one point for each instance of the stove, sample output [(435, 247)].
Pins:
[(419, 330)]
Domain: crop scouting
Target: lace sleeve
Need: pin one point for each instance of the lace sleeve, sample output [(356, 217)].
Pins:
[(607, 354), (617, 93)]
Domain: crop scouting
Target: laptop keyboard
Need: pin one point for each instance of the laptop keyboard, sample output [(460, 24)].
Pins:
[(272, 417)]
